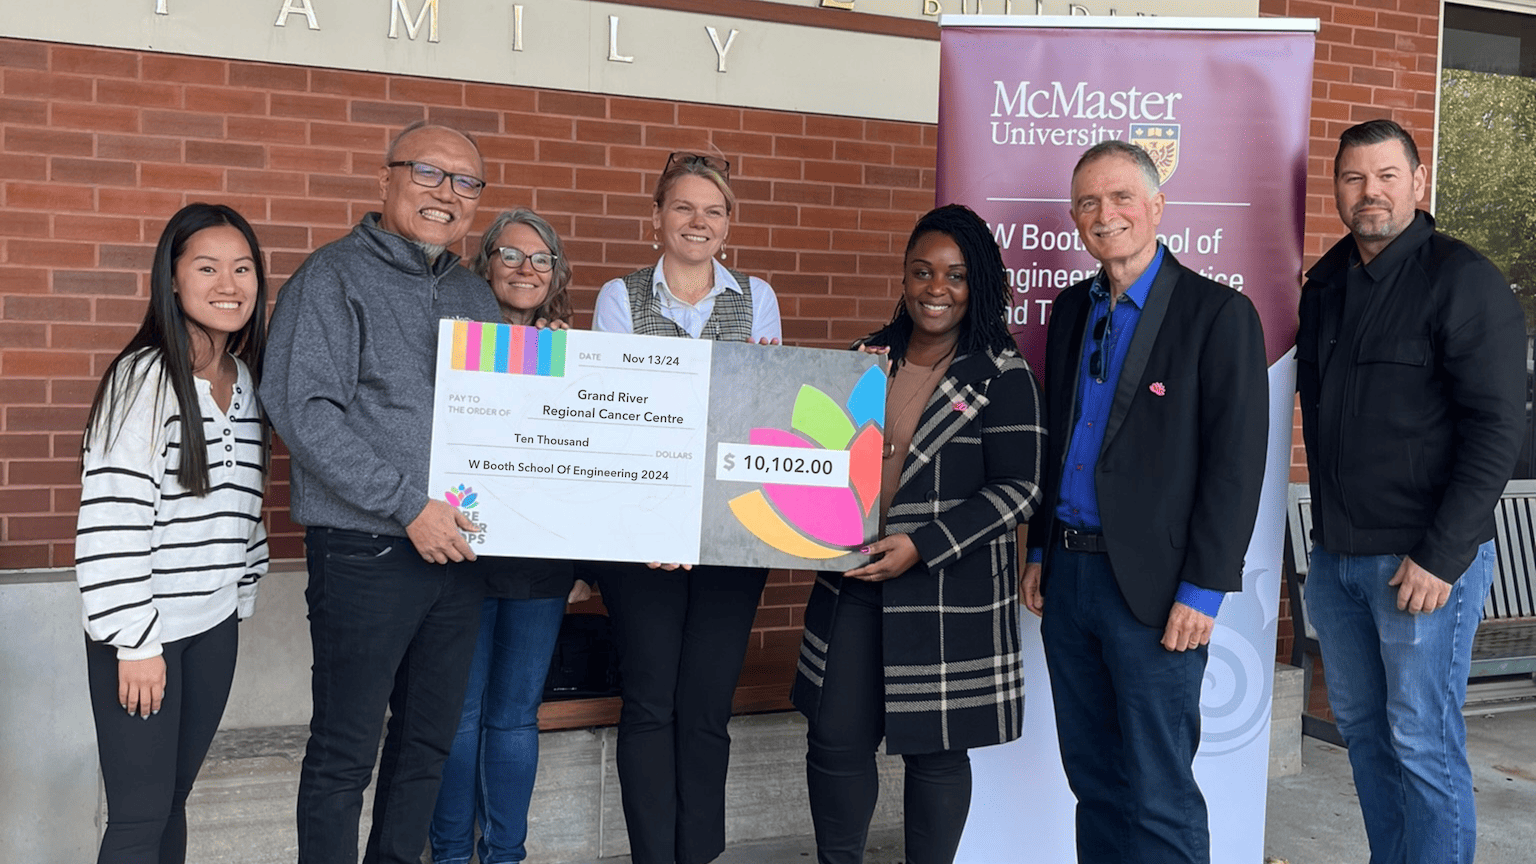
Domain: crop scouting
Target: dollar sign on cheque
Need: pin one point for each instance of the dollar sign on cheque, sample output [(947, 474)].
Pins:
[(730, 461)]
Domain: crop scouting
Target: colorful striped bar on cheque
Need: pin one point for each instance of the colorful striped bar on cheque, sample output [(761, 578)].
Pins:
[(508, 348)]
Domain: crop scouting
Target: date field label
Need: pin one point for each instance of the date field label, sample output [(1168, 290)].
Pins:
[(788, 466)]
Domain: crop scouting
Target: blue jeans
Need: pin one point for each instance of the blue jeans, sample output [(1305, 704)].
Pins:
[(1127, 719), (1397, 682), (490, 771)]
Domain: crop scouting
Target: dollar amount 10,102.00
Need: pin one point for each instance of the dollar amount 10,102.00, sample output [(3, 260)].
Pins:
[(785, 464), (793, 466)]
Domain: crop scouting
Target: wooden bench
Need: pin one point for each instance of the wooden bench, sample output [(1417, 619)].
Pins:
[(1505, 644)]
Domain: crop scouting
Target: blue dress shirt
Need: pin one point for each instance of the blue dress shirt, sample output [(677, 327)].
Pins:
[(1077, 505)]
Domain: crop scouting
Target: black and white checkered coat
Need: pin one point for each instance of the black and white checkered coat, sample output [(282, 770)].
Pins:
[(950, 635)]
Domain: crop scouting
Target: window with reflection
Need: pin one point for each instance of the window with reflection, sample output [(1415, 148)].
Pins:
[(1485, 185)]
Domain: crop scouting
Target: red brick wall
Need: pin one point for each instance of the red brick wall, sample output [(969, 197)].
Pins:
[(98, 147)]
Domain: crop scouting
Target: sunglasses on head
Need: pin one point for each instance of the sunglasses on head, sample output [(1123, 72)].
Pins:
[(713, 163)]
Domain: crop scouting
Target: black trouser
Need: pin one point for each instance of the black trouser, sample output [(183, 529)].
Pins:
[(148, 765), (682, 637), (388, 628), (840, 770)]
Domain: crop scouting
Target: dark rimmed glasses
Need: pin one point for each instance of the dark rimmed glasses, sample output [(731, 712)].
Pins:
[(431, 176), (1099, 359), (713, 163), (514, 257)]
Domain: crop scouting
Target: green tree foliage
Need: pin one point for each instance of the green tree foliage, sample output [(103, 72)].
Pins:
[(1486, 184)]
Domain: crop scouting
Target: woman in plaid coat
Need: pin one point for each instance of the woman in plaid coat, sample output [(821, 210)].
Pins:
[(921, 645)]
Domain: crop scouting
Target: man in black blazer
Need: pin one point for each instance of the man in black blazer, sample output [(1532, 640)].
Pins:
[(1157, 402)]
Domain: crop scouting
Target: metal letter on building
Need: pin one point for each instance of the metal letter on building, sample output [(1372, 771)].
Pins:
[(296, 7), (721, 50), (397, 10), (613, 42), (517, 27), (833, 4)]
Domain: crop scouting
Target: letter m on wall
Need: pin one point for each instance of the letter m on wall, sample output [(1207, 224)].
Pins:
[(398, 11)]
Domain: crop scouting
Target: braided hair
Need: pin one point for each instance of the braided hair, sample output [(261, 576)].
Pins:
[(985, 325)]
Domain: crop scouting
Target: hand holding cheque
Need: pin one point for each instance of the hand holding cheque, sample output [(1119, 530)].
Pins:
[(605, 446)]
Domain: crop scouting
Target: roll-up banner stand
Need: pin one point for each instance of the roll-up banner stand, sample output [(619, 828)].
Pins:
[(1222, 105)]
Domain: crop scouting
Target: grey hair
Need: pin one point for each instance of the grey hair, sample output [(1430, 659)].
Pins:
[(557, 302), (1114, 147)]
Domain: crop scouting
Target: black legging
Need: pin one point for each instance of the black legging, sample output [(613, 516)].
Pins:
[(148, 765), (840, 766), (682, 636)]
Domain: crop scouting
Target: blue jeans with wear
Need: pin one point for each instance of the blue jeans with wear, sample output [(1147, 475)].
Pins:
[(490, 771), (1396, 682)]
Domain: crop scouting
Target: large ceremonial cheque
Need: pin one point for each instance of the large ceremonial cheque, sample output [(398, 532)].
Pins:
[(614, 447), (1221, 105)]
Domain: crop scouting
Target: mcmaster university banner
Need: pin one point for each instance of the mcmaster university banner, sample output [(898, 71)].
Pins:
[(1222, 107)]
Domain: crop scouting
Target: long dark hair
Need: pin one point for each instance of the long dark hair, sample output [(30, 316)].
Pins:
[(985, 325), (164, 336)]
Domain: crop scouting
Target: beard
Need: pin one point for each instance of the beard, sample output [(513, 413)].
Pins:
[(432, 249), (1374, 227)]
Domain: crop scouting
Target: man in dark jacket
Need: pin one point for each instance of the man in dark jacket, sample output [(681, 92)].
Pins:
[(1157, 405), (1412, 377)]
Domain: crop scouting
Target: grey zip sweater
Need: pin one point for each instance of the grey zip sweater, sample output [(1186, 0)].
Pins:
[(349, 371)]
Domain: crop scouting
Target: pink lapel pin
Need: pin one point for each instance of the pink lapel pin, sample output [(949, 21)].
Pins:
[(960, 405), (1158, 389)]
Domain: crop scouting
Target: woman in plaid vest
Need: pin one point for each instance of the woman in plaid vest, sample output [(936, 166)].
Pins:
[(682, 633)]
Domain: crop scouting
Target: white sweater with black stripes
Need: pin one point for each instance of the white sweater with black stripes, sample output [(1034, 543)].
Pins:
[(156, 563)]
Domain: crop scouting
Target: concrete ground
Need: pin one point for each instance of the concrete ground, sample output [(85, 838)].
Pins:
[(1314, 817), (242, 812)]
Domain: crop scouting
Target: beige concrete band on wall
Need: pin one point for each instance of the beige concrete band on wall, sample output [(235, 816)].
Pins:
[(853, 58)]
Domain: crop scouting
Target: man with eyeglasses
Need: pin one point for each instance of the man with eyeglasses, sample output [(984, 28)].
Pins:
[(393, 612), (1412, 371), (1157, 398)]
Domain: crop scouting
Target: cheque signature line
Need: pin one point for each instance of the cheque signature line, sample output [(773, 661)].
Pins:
[(564, 479), (639, 367)]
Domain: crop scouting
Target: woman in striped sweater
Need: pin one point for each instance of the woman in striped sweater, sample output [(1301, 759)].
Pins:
[(169, 543)]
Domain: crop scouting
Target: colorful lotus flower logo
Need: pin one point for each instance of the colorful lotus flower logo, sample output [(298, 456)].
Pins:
[(814, 521), (461, 496)]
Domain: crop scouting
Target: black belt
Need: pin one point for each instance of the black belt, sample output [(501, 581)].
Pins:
[(1074, 540)]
